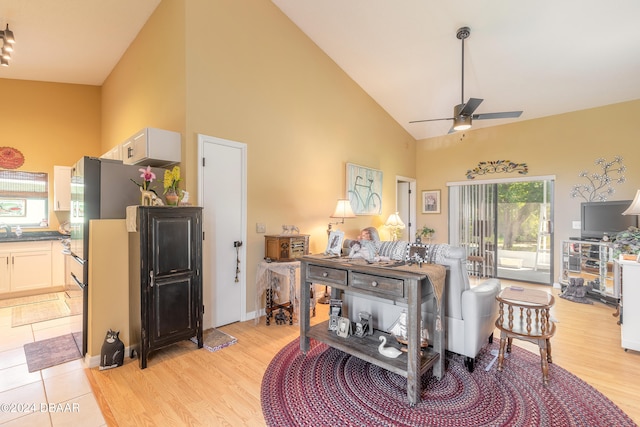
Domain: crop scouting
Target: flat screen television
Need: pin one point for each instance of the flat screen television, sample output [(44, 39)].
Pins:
[(600, 218)]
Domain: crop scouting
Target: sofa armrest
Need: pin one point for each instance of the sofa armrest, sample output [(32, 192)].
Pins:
[(479, 312), (480, 299)]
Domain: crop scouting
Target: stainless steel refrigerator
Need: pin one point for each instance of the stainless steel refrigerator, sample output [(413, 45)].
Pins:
[(100, 189)]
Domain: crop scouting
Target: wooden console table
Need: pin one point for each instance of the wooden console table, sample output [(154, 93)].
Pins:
[(394, 282)]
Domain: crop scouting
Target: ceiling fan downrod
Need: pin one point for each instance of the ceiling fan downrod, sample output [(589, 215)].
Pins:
[(462, 34)]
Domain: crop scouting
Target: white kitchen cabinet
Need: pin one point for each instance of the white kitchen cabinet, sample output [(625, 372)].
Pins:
[(25, 266), (61, 188), (5, 271), (628, 273), (152, 147), (114, 154), (58, 265)]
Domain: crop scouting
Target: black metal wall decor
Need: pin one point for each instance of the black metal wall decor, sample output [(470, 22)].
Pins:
[(497, 166), (599, 185)]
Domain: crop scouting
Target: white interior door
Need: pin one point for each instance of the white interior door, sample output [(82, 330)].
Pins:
[(222, 192)]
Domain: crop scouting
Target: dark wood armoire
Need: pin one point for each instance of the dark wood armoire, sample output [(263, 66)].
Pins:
[(165, 278)]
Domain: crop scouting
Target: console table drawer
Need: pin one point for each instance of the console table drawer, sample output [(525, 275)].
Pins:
[(324, 274), (381, 285)]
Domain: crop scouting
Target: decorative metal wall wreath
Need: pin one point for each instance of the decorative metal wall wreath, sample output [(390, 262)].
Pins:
[(10, 158), (497, 166)]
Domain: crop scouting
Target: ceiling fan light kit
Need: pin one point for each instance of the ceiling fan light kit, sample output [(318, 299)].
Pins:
[(461, 123), (463, 113)]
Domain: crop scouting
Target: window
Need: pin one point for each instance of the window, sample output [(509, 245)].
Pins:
[(24, 198), (505, 227)]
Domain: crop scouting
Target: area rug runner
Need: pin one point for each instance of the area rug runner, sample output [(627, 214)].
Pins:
[(215, 340), (51, 352), (39, 312), (11, 302), (330, 388)]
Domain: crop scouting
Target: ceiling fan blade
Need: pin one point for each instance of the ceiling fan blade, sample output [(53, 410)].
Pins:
[(430, 120), (470, 106), (504, 115)]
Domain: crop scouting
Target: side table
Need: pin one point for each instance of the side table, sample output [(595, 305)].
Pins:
[(286, 305), (532, 324)]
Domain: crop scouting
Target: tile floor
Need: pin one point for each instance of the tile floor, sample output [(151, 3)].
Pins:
[(61, 395)]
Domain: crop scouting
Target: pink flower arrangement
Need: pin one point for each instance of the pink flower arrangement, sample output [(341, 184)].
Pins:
[(147, 176)]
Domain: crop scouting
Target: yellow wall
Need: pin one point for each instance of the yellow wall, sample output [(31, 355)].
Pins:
[(244, 72), (255, 78), (562, 145), (51, 124), (147, 86)]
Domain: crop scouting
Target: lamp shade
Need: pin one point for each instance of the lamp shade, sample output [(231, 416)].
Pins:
[(343, 209), (634, 208), (395, 221)]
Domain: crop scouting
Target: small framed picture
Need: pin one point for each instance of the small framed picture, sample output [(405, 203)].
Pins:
[(431, 201), (344, 327), (417, 252), (13, 207), (334, 245)]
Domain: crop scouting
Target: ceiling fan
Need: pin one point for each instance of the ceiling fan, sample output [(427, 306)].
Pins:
[(463, 113)]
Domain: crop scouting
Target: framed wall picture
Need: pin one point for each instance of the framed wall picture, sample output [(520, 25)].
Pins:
[(334, 245), (431, 201), (364, 189), (13, 207)]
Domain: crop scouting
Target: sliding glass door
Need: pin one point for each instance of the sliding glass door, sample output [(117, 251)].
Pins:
[(505, 227)]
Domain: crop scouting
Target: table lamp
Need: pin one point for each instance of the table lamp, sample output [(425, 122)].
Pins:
[(634, 208), (394, 222), (343, 210)]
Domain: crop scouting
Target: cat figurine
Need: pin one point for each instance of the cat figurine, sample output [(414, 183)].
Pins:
[(112, 352)]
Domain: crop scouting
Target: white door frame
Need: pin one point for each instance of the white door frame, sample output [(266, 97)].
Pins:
[(242, 277), (408, 214)]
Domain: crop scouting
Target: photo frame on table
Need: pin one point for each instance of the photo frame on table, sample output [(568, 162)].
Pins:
[(344, 327), (431, 202), (334, 245), (417, 252), (364, 189)]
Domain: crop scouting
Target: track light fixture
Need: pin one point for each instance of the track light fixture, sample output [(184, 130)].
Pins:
[(8, 41)]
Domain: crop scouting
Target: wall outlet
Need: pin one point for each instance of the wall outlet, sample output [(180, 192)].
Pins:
[(576, 225), (260, 227)]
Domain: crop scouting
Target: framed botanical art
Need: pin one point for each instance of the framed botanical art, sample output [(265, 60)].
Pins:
[(364, 189), (431, 201)]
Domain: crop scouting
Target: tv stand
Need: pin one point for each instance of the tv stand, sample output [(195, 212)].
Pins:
[(593, 262)]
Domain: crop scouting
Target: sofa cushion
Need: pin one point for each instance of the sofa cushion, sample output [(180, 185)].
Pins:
[(393, 250)]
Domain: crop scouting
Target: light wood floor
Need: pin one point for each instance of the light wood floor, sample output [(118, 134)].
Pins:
[(185, 386)]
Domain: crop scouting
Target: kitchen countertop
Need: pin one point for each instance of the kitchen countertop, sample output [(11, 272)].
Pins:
[(32, 236)]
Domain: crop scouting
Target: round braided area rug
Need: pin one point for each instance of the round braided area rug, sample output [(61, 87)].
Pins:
[(327, 387)]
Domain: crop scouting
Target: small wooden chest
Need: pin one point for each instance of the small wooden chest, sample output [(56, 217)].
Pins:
[(286, 247)]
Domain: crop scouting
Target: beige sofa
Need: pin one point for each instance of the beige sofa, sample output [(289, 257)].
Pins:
[(470, 312)]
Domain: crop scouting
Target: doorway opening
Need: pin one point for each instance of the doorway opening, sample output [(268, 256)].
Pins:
[(406, 205)]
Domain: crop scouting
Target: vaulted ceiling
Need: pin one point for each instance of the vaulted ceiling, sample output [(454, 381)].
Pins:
[(544, 57)]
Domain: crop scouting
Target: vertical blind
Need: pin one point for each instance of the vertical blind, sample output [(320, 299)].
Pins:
[(473, 221)]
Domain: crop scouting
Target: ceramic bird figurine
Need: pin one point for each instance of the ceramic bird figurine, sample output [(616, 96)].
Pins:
[(388, 351)]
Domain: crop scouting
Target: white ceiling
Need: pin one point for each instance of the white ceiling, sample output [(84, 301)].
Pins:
[(545, 57), (70, 41)]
